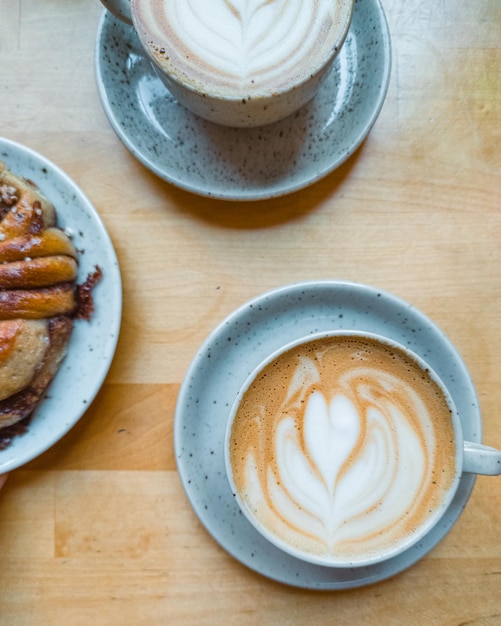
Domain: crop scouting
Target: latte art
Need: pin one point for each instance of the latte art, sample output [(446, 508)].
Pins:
[(241, 47), (343, 448)]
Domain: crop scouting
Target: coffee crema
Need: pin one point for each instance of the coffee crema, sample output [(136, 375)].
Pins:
[(343, 448), (241, 48)]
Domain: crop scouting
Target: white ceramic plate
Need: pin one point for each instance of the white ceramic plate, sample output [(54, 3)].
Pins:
[(224, 362), (92, 344), (245, 164)]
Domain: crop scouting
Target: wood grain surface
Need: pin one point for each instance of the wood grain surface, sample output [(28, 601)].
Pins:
[(98, 529)]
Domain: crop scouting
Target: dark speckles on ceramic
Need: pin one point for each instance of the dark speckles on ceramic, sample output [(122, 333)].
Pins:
[(256, 329), (245, 164), (93, 343)]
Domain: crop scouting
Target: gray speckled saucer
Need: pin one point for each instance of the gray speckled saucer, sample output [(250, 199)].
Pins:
[(92, 344), (224, 362), (245, 164)]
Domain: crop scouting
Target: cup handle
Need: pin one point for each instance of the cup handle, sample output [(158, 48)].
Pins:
[(480, 459), (120, 9)]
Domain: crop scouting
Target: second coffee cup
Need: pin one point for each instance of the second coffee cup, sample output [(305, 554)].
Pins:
[(344, 449), (244, 63)]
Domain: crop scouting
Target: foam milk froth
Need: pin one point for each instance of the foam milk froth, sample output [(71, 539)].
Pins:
[(241, 47), (342, 447)]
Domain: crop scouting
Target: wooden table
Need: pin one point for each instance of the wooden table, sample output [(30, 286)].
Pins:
[(98, 529)]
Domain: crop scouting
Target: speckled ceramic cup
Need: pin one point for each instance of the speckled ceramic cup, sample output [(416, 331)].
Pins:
[(241, 64), (345, 449)]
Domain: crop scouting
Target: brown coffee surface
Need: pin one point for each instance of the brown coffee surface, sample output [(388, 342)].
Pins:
[(343, 448)]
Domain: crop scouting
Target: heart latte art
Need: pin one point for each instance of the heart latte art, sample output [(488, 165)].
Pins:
[(342, 448), (241, 48)]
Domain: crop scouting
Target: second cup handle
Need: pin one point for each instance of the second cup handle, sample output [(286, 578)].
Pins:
[(120, 9), (480, 459)]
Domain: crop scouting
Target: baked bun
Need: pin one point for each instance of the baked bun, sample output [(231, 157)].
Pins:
[(38, 295)]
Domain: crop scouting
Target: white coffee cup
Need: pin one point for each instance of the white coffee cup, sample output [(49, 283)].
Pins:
[(336, 485), (239, 63)]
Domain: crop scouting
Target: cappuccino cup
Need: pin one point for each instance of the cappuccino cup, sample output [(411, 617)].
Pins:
[(239, 63), (345, 449)]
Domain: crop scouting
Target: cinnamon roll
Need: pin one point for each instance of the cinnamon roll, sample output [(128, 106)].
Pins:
[(38, 295)]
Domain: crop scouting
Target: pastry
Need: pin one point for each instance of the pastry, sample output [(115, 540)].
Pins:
[(38, 295)]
